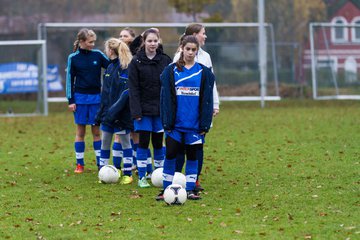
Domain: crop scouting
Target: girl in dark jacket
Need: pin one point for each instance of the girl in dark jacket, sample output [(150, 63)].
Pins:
[(114, 113), (186, 112), (144, 90)]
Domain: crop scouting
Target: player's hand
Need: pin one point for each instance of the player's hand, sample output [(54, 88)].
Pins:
[(138, 119), (215, 112), (72, 107)]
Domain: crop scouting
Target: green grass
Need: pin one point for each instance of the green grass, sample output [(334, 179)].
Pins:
[(289, 171)]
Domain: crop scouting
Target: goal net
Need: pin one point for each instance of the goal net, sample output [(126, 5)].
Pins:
[(233, 48), (23, 88), (332, 60)]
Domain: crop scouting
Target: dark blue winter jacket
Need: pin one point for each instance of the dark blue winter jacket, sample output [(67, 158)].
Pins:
[(168, 102), (114, 109)]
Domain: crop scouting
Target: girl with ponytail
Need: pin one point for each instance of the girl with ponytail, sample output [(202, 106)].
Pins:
[(83, 87), (186, 104), (114, 113), (198, 31)]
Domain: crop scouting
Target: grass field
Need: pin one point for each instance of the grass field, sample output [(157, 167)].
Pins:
[(289, 171)]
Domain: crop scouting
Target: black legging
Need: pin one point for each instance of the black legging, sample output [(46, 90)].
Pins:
[(173, 147), (156, 139)]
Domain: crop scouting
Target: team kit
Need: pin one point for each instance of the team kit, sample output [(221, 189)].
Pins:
[(133, 94)]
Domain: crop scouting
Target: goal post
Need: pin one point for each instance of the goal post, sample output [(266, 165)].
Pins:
[(334, 60), (23, 72), (235, 63)]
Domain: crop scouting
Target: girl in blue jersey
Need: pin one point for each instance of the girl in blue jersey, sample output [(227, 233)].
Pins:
[(83, 86), (186, 112), (144, 90), (114, 113), (198, 30)]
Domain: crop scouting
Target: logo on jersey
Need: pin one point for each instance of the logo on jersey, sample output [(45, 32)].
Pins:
[(95, 62), (187, 91)]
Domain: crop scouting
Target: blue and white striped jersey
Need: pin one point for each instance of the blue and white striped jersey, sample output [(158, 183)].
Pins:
[(187, 87)]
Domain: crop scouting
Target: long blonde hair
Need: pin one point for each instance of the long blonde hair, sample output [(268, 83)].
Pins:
[(121, 50)]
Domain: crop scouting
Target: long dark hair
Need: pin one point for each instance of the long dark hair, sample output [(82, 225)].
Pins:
[(180, 63)]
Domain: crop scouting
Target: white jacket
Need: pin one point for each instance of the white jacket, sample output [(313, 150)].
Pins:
[(204, 58)]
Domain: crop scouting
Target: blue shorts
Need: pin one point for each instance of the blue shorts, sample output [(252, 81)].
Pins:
[(85, 113), (188, 138), (150, 124), (118, 131)]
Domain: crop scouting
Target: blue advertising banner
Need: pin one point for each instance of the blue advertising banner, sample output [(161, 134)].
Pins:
[(22, 77)]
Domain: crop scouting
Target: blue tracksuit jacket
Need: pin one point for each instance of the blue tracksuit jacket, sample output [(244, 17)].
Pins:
[(84, 72)]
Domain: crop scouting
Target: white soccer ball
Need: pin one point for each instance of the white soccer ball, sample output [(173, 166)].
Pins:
[(175, 194), (157, 177), (109, 174), (179, 178)]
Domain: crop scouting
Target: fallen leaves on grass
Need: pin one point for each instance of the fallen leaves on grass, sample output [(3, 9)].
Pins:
[(12, 183), (135, 195), (115, 214), (75, 223), (349, 228), (308, 236)]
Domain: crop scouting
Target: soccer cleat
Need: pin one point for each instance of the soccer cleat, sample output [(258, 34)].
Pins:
[(198, 187), (160, 196), (79, 169), (191, 195), (143, 183), (126, 180)]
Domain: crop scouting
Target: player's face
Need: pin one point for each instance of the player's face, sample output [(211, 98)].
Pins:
[(89, 43), (189, 51), (108, 52), (151, 43), (201, 37), (125, 37)]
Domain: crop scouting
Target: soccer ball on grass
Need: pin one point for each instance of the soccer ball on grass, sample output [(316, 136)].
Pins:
[(175, 194), (157, 177), (109, 174), (179, 178)]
